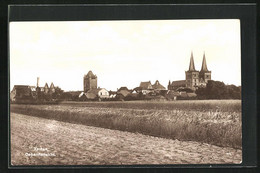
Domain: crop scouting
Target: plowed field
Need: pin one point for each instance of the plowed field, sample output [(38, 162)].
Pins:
[(39, 141)]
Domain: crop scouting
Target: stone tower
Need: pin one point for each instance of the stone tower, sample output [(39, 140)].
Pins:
[(90, 81), (192, 76), (204, 74)]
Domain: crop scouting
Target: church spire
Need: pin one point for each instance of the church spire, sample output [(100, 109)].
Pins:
[(204, 64), (192, 66)]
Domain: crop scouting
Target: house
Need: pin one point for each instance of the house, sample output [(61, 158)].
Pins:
[(33, 91), (174, 85), (52, 88), (137, 90), (46, 88), (146, 87), (172, 95), (158, 86), (112, 94), (21, 93), (82, 96), (99, 93), (124, 91)]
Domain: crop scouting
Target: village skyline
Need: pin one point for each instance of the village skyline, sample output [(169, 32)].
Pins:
[(122, 53)]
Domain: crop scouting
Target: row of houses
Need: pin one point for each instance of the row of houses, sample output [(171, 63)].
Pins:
[(27, 93), (145, 91)]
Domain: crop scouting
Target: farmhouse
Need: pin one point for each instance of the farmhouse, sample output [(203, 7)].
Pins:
[(174, 85), (146, 87), (99, 93), (21, 92), (124, 91), (158, 86)]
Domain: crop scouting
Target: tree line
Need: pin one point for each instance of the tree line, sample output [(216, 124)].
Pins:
[(218, 90)]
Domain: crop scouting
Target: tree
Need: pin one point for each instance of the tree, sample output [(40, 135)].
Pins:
[(58, 93), (218, 90)]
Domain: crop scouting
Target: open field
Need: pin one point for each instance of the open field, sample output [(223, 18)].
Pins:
[(216, 122), (75, 144), (194, 105)]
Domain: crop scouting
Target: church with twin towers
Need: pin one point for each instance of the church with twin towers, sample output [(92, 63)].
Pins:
[(193, 78)]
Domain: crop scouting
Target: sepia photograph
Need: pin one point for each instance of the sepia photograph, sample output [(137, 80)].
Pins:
[(125, 92)]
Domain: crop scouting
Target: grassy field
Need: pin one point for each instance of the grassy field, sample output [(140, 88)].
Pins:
[(215, 122)]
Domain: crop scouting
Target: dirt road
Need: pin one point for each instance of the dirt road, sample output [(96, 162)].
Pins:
[(38, 141)]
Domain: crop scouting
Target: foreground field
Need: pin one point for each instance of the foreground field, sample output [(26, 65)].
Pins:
[(75, 144), (214, 122)]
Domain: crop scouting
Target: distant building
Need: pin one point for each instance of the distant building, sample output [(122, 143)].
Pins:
[(193, 78), (89, 81), (205, 74), (46, 88), (98, 93), (192, 75), (20, 92), (52, 88), (158, 86), (146, 87), (174, 85), (124, 91)]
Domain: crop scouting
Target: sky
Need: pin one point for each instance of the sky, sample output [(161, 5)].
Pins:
[(122, 53)]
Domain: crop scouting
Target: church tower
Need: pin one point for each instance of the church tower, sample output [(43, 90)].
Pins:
[(90, 81), (205, 74), (192, 76)]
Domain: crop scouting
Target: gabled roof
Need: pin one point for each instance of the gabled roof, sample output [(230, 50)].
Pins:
[(33, 88), (146, 85), (46, 85), (82, 94), (157, 85), (112, 92), (52, 85), (123, 88), (178, 83), (22, 89), (137, 89), (124, 92)]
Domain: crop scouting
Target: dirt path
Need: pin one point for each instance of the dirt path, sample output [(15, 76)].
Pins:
[(60, 143)]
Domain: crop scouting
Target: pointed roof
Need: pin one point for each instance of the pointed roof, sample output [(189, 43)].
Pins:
[(146, 85), (52, 85), (157, 85), (90, 74), (204, 64), (192, 66), (46, 85), (123, 88)]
